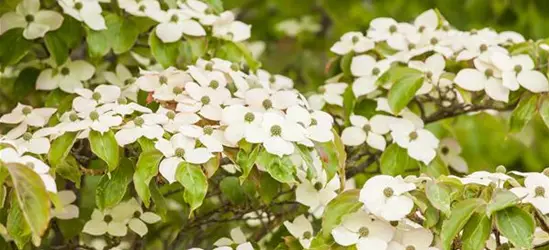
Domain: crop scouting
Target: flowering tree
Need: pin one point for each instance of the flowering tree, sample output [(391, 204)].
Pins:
[(150, 125)]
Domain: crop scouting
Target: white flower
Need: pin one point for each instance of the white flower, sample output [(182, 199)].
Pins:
[(143, 8), (519, 69), (421, 143), (301, 229), (280, 134), (27, 116), (237, 237), (418, 239), (175, 23), (369, 131), (397, 35), (331, 93), (213, 79), (209, 136), (171, 121), (87, 11), (242, 122), (97, 119), (198, 10), (10, 155), (260, 99), (427, 21), (483, 41), (510, 37), (368, 71), (535, 191), (122, 77), (226, 27), (170, 92), (68, 211), (124, 108), (449, 151), (205, 100), (112, 221), (352, 41), (138, 217), (35, 143), (150, 81), (89, 100), (385, 196), (274, 82), (179, 148), (68, 76), (317, 124), (34, 21), (360, 230), (142, 126), (486, 178), (318, 192), (433, 67)]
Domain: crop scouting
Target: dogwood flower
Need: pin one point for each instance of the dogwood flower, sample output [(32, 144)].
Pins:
[(385, 197), (360, 230), (67, 77), (226, 27), (150, 81), (318, 192), (427, 21), (449, 151), (171, 121), (418, 239), (175, 23), (145, 8), (510, 37), (35, 22), (369, 131), (198, 10), (352, 41), (237, 237), (89, 100), (317, 124), (35, 143), (87, 11), (421, 143), (242, 122), (122, 77), (10, 155), (142, 126), (280, 134), (170, 92), (535, 191), (259, 99), (301, 229), (209, 136), (138, 217), (112, 221), (178, 149), (486, 178), (213, 79), (205, 100), (97, 119), (331, 93), (368, 70), (25, 116), (433, 67), (519, 70), (274, 82), (397, 35), (68, 211)]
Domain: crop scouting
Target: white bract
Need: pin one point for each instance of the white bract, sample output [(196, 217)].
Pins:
[(519, 71), (418, 239), (364, 232), (25, 116), (175, 23), (535, 192), (280, 134), (352, 41), (449, 151), (367, 70), (34, 21), (331, 93), (226, 27), (385, 196), (421, 143), (122, 77), (69, 210), (10, 155), (142, 126), (302, 229), (241, 123), (87, 11), (68, 77), (237, 238), (370, 131)]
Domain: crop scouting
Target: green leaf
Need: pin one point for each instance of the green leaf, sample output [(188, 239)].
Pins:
[(98, 42), (165, 53), (123, 34), (146, 144), (60, 148), (32, 197), (439, 195), (395, 160), (501, 199), (280, 168), (230, 187), (25, 82), (246, 161), (17, 226), (458, 218), (348, 103), (333, 156), (111, 189), (13, 47), (544, 111), (432, 217), (70, 32), (57, 47), (406, 83), (268, 188), (147, 168), (476, 232), (195, 183), (437, 167), (345, 64), (160, 205), (105, 147), (69, 169), (517, 226), (344, 204), (248, 57), (523, 113)]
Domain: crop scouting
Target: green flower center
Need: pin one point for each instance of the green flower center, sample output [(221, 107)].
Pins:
[(518, 68), (501, 169), (205, 100), (94, 115), (73, 117), (355, 39), (208, 130), (26, 110), (410, 247), (179, 152), (174, 18), (235, 67), (314, 122), (376, 71), (27, 136), (249, 117), (421, 29), (413, 135), (393, 28), (129, 81), (429, 74), (163, 79), (139, 121), (367, 128), (136, 214), (107, 218), (214, 84), (142, 7), (267, 104), (483, 47), (388, 192), (170, 115), (364, 232), (65, 71), (78, 6), (540, 191), (177, 90), (411, 46), (444, 150), (122, 100), (96, 96), (433, 41), (276, 130), (208, 67), (272, 79), (29, 18), (318, 186), (307, 235), (489, 72)]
